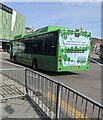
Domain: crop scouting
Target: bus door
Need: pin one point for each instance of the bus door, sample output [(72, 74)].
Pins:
[(26, 55), (18, 51)]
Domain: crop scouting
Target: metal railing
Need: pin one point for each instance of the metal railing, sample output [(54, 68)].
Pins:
[(59, 101), (54, 99)]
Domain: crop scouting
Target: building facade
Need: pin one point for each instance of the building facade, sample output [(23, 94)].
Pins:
[(11, 23), (96, 42)]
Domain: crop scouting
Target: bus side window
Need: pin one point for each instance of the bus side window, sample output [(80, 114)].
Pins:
[(37, 47), (27, 47), (50, 46)]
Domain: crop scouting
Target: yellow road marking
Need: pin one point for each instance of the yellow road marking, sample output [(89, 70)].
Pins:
[(68, 108)]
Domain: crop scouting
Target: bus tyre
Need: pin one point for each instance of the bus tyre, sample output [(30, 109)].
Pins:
[(35, 65)]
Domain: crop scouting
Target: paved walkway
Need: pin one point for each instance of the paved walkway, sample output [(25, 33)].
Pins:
[(18, 108)]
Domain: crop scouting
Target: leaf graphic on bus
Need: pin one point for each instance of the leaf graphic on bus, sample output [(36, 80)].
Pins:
[(68, 59), (62, 50), (65, 57), (72, 48), (65, 37), (75, 48), (65, 49)]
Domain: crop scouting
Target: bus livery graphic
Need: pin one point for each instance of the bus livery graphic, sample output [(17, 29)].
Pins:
[(74, 49)]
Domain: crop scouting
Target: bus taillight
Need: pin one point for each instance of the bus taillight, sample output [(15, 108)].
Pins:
[(89, 58), (59, 60), (59, 56)]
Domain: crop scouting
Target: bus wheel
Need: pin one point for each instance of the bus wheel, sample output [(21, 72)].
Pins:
[(35, 64)]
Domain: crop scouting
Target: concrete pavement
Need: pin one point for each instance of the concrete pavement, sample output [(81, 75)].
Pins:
[(19, 108)]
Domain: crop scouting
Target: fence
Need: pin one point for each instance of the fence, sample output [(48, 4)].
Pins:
[(54, 99), (59, 101)]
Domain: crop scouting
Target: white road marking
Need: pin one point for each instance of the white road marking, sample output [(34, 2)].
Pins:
[(96, 62)]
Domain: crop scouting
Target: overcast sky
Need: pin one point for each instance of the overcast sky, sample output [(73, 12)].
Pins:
[(69, 14)]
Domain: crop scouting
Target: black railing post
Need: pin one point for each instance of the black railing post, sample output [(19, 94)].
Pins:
[(58, 101), (26, 86)]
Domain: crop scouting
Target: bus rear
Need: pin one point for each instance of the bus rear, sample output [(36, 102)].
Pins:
[(74, 50)]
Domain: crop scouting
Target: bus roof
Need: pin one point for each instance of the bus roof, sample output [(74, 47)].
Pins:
[(49, 28), (46, 30), (43, 30), (19, 36), (40, 31)]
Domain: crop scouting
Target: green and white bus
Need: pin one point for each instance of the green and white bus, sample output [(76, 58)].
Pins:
[(53, 48)]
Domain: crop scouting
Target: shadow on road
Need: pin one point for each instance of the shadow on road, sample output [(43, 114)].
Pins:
[(48, 72), (57, 73)]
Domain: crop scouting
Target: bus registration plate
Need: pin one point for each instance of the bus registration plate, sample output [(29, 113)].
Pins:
[(74, 68)]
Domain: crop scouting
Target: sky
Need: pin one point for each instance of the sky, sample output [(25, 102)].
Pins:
[(67, 14)]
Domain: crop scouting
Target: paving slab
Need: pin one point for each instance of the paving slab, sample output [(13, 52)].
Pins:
[(19, 108)]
